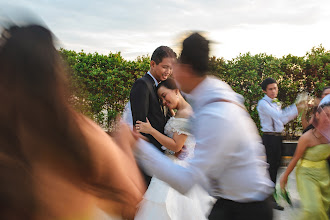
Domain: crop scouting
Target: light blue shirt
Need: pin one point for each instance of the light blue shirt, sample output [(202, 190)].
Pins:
[(272, 117)]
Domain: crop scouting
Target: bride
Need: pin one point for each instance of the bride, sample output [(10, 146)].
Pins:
[(161, 201)]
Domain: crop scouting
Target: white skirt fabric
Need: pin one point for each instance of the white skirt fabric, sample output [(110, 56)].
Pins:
[(162, 202)]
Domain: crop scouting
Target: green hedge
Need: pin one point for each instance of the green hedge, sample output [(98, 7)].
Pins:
[(101, 83)]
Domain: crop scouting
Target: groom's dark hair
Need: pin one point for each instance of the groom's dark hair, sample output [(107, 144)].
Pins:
[(195, 52), (266, 82), (162, 52)]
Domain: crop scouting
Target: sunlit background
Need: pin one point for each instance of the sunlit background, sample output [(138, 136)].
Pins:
[(135, 28)]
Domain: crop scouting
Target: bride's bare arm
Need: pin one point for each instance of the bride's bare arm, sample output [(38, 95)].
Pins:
[(174, 144)]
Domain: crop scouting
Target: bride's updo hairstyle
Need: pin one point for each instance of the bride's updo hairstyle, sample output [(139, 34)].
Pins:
[(169, 83)]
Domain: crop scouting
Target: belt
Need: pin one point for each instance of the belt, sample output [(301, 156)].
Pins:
[(273, 133), (313, 164)]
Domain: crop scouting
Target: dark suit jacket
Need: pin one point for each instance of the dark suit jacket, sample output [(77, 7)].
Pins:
[(145, 103)]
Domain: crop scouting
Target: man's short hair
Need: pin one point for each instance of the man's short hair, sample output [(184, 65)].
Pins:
[(162, 52), (266, 82), (195, 52)]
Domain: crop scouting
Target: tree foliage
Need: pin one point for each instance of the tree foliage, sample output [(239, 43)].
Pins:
[(101, 83)]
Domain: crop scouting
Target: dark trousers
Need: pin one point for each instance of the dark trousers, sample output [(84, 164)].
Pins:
[(273, 146), (225, 209)]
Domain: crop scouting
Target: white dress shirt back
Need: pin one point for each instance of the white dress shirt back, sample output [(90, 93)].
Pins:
[(229, 157)]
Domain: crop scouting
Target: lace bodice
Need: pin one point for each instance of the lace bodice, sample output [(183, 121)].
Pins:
[(180, 126)]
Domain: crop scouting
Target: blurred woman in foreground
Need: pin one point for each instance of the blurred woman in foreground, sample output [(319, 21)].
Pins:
[(54, 162)]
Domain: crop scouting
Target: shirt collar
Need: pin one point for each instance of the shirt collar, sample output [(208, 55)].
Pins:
[(195, 94), (156, 83), (266, 97)]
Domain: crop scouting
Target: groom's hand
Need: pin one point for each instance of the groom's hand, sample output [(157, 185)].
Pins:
[(137, 135), (124, 137)]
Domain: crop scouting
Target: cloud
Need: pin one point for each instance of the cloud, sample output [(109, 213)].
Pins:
[(138, 27)]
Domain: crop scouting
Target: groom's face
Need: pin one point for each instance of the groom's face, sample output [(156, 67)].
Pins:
[(162, 70)]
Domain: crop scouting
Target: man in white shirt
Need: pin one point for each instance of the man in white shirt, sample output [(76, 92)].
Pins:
[(228, 159), (272, 120)]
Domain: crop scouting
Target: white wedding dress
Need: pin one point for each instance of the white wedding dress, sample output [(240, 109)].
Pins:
[(162, 202)]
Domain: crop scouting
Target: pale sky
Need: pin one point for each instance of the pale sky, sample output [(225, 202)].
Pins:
[(135, 28)]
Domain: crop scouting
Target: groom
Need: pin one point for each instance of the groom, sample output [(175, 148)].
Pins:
[(143, 96), (228, 154)]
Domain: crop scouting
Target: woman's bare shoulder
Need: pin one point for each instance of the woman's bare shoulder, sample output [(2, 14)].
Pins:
[(184, 113), (308, 139)]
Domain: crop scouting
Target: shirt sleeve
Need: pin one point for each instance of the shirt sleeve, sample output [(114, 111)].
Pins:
[(284, 115), (139, 98), (211, 155)]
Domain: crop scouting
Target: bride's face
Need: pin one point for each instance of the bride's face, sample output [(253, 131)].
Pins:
[(169, 97)]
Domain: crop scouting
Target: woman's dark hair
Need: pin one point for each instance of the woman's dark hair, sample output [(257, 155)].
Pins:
[(325, 88), (162, 52), (326, 104), (267, 82), (17, 200), (36, 121), (319, 110), (35, 99), (195, 52), (309, 127), (168, 83), (314, 110)]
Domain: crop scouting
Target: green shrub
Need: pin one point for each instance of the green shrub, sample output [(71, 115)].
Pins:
[(101, 83)]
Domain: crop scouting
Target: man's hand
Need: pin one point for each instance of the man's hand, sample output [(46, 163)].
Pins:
[(124, 137), (138, 135), (302, 106)]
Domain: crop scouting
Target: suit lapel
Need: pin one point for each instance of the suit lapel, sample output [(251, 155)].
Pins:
[(151, 83)]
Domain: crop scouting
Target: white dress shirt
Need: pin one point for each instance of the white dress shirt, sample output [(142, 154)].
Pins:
[(229, 157), (272, 117), (156, 83)]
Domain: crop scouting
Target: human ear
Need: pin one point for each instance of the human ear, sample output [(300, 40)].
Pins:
[(152, 64), (317, 115)]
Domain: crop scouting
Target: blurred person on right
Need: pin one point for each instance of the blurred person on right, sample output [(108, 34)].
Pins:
[(228, 159), (55, 163), (312, 169), (307, 119)]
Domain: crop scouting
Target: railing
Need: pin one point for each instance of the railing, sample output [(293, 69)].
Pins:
[(288, 149)]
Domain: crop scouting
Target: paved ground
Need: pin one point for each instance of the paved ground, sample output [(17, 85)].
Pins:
[(289, 212)]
